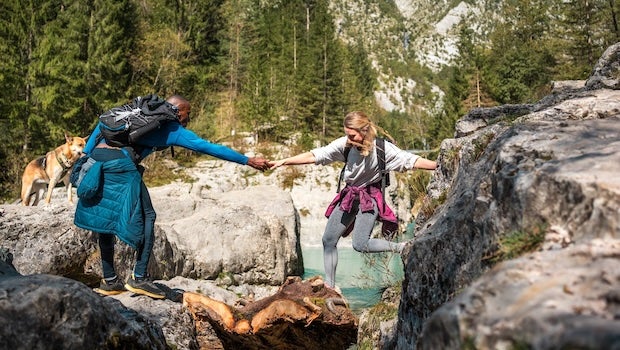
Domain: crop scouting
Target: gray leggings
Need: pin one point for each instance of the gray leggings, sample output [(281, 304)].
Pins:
[(335, 228)]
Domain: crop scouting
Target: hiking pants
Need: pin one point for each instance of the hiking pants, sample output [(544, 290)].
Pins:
[(107, 241), (336, 226)]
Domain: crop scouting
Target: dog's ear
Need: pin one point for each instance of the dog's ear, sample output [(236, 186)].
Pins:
[(68, 138)]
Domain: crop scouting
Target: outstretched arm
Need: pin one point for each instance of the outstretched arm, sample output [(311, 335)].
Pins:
[(423, 163), (303, 158)]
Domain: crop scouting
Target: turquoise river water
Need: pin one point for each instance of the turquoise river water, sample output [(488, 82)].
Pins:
[(361, 277)]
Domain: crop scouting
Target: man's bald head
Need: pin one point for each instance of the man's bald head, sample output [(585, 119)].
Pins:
[(177, 99), (184, 107)]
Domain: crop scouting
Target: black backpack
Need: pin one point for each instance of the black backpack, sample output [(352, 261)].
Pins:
[(124, 126), (385, 175)]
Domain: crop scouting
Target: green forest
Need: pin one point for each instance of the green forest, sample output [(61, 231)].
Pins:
[(277, 68)]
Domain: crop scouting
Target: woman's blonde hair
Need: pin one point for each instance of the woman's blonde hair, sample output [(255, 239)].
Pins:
[(359, 121)]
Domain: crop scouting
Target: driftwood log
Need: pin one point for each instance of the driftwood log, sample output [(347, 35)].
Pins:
[(301, 315)]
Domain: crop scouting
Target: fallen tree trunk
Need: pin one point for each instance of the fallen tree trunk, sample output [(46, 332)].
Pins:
[(301, 315)]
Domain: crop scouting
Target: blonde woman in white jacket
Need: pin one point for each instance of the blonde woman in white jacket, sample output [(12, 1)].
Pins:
[(356, 208)]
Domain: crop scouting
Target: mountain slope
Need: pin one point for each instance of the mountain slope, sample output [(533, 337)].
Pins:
[(405, 39)]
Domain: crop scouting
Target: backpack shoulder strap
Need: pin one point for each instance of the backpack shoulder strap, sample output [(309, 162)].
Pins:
[(381, 154), (346, 157), (381, 159), (385, 175)]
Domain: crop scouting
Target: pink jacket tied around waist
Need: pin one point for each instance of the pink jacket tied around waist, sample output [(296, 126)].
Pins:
[(365, 195)]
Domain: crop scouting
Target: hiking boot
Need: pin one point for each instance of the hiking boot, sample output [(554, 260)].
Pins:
[(140, 285), (110, 287)]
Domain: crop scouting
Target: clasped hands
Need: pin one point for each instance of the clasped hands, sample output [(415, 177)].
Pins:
[(263, 164)]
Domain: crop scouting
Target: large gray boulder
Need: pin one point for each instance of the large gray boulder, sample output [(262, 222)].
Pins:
[(248, 236), (548, 172), (606, 72), (571, 301), (53, 312), (234, 234), (43, 239), (251, 235)]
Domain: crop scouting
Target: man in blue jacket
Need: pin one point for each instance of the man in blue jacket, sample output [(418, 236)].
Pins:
[(114, 201)]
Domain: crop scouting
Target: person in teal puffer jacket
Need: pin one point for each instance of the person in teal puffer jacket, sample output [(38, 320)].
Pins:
[(114, 201), (112, 206)]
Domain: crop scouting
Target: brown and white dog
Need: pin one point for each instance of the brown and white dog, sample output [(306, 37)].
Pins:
[(49, 170)]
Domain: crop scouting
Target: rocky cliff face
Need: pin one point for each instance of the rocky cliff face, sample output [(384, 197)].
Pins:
[(542, 177)]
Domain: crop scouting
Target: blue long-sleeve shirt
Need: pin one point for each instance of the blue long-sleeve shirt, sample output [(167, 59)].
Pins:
[(174, 134)]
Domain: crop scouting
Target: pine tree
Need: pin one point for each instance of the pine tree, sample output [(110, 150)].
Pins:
[(164, 59), (584, 28), (518, 66), (211, 28), (16, 25), (330, 73), (260, 73), (362, 70), (58, 70), (41, 50), (321, 95), (111, 47), (19, 26)]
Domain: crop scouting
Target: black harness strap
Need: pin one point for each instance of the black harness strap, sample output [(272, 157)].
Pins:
[(346, 157), (385, 175)]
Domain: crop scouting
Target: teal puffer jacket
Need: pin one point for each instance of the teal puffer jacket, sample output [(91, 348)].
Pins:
[(109, 201)]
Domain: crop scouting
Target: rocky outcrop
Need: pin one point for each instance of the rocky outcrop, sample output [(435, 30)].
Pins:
[(251, 235), (544, 176), (234, 235), (45, 241), (572, 301), (606, 73), (261, 245), (46, 311), (310, 187), (53, 312)]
